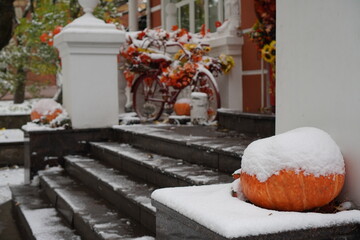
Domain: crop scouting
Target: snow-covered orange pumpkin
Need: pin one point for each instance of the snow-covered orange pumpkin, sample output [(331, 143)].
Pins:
[(295, 171), (45, 109), (182, 107)]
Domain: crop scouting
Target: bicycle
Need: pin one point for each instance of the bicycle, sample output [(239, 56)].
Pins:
[(151, 96)]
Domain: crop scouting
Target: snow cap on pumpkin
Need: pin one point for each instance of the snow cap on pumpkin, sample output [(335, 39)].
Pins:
[(46, 106), (306, 149)]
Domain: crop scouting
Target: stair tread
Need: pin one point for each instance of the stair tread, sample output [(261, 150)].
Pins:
[(206, 137), (191, 173), (104, 220), (137, 191), (43, 219)]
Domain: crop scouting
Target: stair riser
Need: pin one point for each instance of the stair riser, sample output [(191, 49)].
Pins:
[(140, 171), (121, 202), (260, 124), (84, 228), (189, 153), (60, 204), (74, 219)]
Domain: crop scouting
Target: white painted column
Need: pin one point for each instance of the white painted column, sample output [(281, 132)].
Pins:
[(317, 75), (148, 14), (227, 41), (170, 16), (230, 85), (133, 18), (88, 49)]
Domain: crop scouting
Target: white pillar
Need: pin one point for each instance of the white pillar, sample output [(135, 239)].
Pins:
[(230, 85), (170, 16), (88, 49), (133, 19), (148, 14), (227, 41)]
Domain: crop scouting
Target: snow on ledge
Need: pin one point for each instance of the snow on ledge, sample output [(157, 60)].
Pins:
[(33, 127), (11, 135), (213, 207)]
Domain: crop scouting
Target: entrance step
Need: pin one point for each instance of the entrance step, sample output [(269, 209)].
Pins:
[(251, 123), (129, 195), (159, 170), (202, 145), (38, 219), (87, 212)]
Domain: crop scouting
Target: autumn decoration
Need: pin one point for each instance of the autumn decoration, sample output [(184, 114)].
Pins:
[(263, 34), (182, 107), (153, 49), (295, 171)]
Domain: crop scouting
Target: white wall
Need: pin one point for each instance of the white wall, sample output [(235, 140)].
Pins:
[(318, 74)]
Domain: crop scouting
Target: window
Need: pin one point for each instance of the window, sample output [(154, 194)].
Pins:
[(191, 14)]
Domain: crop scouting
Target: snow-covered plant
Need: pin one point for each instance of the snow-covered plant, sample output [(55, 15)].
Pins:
[(31, 49)]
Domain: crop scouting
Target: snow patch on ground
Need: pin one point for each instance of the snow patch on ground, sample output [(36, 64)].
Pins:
[(8, 177), (9, 108), (11, 135), (213, 207), (11, 176)]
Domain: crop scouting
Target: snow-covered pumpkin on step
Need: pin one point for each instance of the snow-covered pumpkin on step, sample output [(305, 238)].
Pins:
[(182, 107), (295, 171), (45, 110)]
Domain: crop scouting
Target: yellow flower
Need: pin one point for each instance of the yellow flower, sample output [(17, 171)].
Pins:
[(227, 62), (207, 49), (190, 46), (268, 53), (273, 44)]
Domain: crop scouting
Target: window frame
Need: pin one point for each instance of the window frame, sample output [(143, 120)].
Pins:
[(220, 12)]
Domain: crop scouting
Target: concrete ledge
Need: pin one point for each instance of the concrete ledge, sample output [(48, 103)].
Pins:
[(11, 153), (209, 212), (14, 120), (48, 147)]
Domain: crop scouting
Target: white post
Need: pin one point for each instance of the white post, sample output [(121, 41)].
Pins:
[(170, 16), (199, 107), (133, 19), (227, 41), (148, 14), (88, 49)]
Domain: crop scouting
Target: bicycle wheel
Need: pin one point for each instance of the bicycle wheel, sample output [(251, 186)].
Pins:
[(205, 83), (148, 99)]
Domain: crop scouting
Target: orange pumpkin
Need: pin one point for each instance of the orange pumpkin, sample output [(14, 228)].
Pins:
[(182, 107), (46, 110), (291, 191), (35, 115)]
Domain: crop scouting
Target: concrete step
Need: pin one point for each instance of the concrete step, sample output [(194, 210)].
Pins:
[(36, 216), (159, 170), (251, 123), (88, 213), (202, 145), (129, 195)]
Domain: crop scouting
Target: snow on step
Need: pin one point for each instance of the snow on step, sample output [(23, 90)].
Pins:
[(42, 219), (101, 219), (213, 207), (122, 183), (191, 173), (206, 137)]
